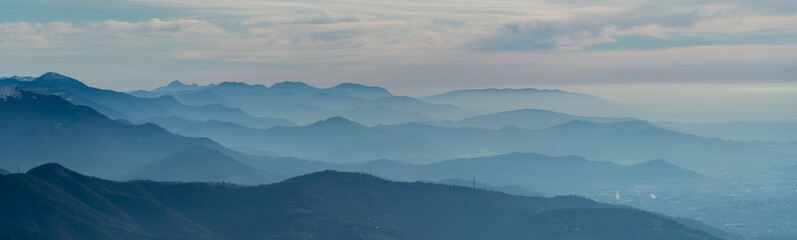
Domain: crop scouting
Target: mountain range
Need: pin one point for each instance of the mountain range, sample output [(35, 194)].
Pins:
[(532, 152), (38, 128), (305, 104), (619, 142), (120, 105), (71, 133), (57, 203)]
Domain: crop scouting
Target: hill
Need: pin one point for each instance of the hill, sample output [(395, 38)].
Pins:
[(58, 203), (201, 164), (120, 105), (37, 128), (340, 140), (4, 172)]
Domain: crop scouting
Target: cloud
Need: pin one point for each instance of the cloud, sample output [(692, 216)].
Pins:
[(34, 35), (575, 32), (324, 17), (157, 27)]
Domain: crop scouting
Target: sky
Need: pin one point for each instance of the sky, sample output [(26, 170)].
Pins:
[(641, 51)]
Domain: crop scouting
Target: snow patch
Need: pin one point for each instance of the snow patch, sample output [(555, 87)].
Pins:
[(20, 78), (7, 92)]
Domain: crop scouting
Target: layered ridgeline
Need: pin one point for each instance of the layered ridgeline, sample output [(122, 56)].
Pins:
[(201, 164), (119, 105), (57, 203), (38, 128), (548, 174), (305, 104), (340, 140)]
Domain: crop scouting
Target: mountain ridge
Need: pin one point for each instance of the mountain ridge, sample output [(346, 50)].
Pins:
[(318, 205)]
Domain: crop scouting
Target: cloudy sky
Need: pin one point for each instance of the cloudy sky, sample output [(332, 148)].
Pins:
[(618, 49)]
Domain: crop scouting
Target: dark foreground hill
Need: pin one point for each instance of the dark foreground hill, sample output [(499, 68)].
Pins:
[(58, 203)]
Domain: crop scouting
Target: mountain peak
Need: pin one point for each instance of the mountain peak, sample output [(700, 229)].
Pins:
[(232, 84), (335, 178), (52, 75), (59, 80), (656, 164), (658, 161), (298, 88), (49, 170), (349, 85), (359, 90), (176, 86), (177, 83), (289, 84), (336, 121)]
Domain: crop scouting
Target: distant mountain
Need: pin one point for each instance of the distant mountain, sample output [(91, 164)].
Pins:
[(228, 134), (620, 142), (382, 115), (499, 100), (298, 88), (37, 128), (58, 203), (177, 86), (335, 140), (305, 104), (529, 118), (201, 164), (537, 171), (340, 140), (4, 172), (358, 90), (121, 105)]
